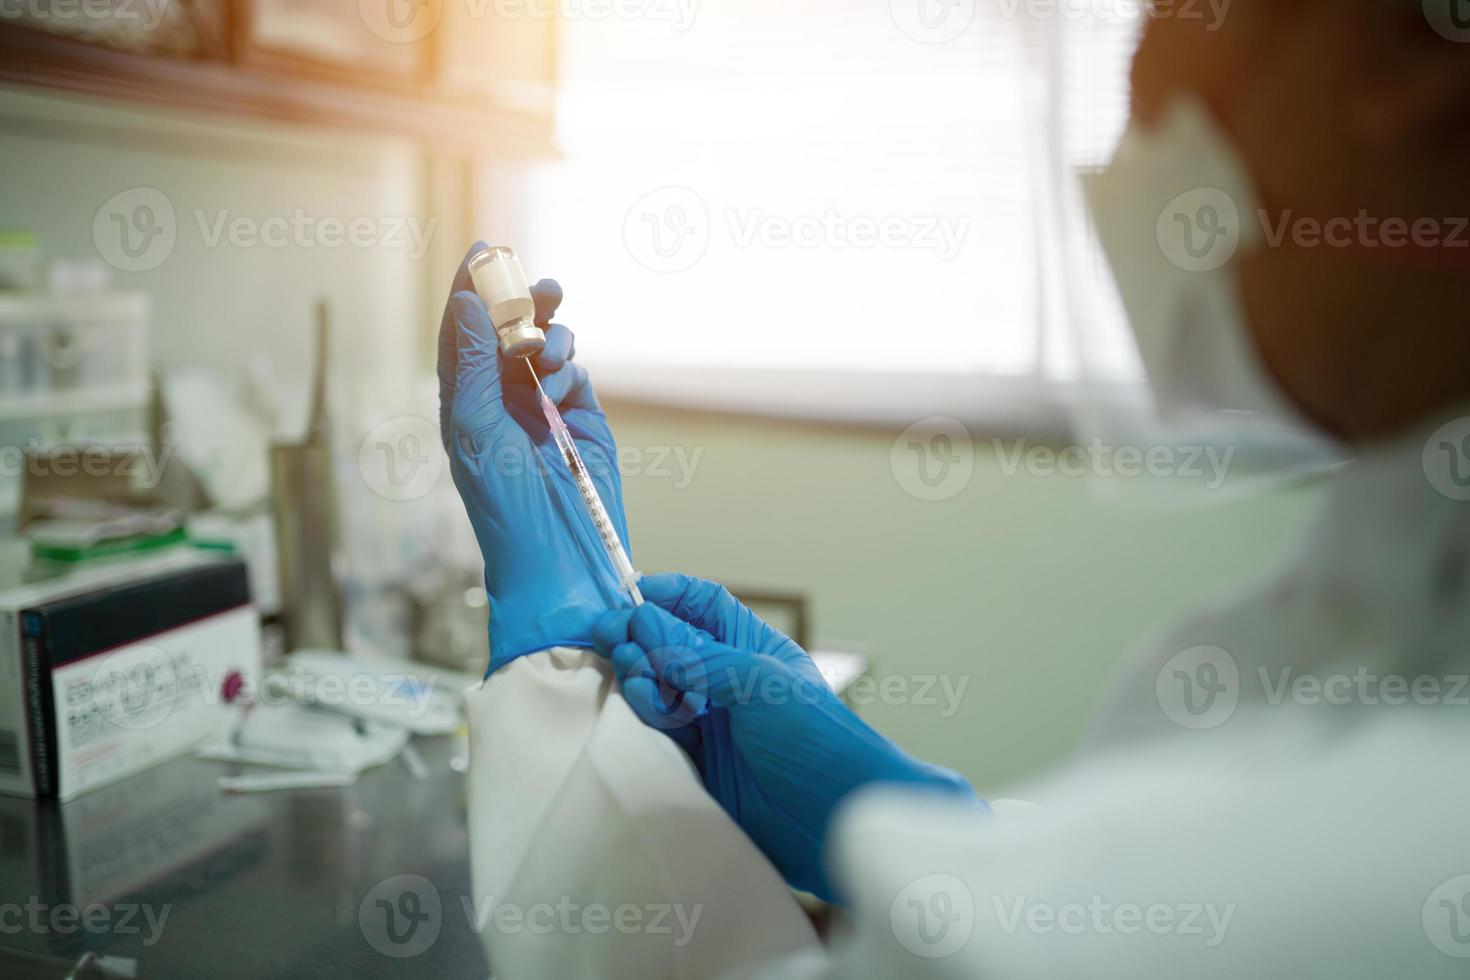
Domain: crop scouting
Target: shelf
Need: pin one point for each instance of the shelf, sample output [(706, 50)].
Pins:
[(90, 401), (28, 309), (41, 59)]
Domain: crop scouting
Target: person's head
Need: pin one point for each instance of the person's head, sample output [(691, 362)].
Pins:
[(1354, 118)]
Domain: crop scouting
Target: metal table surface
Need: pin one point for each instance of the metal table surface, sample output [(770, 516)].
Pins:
[(163, 868)]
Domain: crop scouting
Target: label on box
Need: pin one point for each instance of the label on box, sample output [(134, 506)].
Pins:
[(132, 707)]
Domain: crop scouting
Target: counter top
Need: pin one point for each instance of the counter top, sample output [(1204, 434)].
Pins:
[(163, 868)]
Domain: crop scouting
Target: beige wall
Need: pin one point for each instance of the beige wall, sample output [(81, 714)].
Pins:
[(1028, 586), (216, 303), (219, 303)]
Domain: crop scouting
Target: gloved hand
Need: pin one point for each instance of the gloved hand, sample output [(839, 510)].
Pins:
[(546, 574), (774, 745)]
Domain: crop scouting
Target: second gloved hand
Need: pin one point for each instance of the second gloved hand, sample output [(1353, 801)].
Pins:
[(775, 747)]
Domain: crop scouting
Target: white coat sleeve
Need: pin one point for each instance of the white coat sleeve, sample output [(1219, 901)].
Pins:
[(595, 849), (1294, 853)]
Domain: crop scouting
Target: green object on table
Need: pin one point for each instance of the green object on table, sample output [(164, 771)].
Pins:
[(107, 549)]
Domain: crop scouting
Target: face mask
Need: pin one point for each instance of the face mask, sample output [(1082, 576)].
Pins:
[(1173, 210)]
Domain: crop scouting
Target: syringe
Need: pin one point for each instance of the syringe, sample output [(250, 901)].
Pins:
[(501, 283), (608, 534)]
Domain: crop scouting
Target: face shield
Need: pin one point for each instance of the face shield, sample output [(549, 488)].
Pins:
[(1141, 230)]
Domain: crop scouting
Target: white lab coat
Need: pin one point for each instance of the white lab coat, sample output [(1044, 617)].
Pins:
[(595, 850), (1302, 824)]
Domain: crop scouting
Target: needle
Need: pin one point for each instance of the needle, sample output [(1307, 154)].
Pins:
[(534, 378)]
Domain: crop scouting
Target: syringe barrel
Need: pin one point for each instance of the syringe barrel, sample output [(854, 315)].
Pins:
[(607, 532), (501, 283)]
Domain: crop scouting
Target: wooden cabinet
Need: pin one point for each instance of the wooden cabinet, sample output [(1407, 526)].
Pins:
[(449, 72), (510, 59), (186, 28)]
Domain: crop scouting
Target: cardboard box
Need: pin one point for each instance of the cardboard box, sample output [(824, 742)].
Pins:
[(107, 672)]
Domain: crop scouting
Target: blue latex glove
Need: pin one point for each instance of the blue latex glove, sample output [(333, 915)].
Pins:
[(775, 746), (546, 574)]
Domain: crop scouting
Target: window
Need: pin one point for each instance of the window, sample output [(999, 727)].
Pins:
[(827, 195)]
